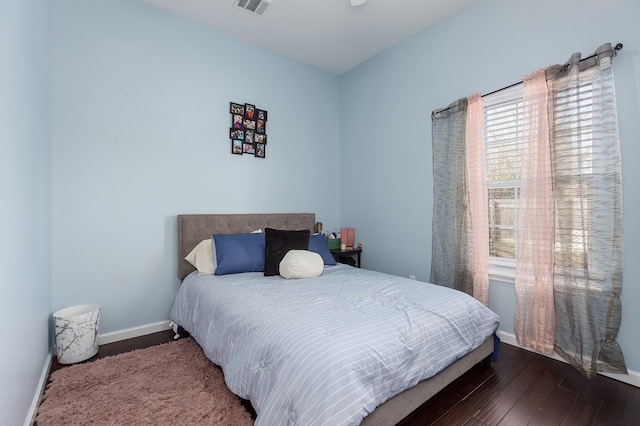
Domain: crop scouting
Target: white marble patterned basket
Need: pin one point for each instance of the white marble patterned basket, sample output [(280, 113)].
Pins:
[(77, 329)]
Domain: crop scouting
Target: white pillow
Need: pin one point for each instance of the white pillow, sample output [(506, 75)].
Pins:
[(203, 257), (301, 264)]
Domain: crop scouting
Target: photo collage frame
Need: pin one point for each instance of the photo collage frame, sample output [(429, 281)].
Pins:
[(248, 132)]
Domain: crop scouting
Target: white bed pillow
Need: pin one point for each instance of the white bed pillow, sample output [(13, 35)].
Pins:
[(203, 257), (301, 264)]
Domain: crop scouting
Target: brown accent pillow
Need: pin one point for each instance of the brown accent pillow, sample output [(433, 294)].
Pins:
[(277, 243)]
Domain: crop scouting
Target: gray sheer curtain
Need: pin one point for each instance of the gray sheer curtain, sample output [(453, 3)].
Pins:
[(449, 246), (583, 254), (588, 231)]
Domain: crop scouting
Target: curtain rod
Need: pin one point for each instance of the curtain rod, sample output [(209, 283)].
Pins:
[(615, 50)]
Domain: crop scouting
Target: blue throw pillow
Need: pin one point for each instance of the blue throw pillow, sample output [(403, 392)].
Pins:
[(236, 253), (318, 243)]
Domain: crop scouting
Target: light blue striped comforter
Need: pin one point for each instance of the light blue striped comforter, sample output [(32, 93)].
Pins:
[(327, 350)]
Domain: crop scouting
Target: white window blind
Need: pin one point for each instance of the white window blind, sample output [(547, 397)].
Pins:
[(503, 139), (577, 180), (572, 116)]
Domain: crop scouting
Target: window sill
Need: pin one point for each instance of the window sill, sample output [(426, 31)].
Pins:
[(502, 270)]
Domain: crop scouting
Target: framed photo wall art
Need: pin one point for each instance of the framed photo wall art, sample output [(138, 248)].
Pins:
[(248, 132)]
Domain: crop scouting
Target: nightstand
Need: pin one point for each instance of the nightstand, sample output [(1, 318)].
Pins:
[(341, 254)]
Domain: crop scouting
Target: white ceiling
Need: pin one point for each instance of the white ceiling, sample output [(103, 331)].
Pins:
[(328, 34)]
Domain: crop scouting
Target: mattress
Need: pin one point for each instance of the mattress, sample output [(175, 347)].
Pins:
[(327, 350)]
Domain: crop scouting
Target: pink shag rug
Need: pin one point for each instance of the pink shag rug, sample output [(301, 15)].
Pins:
[(169, 384)]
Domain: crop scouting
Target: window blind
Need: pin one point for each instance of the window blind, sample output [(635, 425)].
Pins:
[(503, 139)]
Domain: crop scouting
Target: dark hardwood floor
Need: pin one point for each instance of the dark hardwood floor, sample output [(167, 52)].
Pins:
[(522, 388), (125, 346)]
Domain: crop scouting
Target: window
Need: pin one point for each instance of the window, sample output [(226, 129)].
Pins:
[(573, 114), (578, 180), (503, 140)]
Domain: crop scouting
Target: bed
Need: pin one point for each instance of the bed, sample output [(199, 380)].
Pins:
[(371, 365)]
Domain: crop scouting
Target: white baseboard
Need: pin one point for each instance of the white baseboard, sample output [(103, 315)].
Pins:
[(42, 383), (633, 378), (129, 333)]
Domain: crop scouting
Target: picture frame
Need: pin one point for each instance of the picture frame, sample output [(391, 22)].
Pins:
[(249, 136), (235, 108), (236, 146), (248, 148), (237, 121), (249, 111), (236, 134), (249, 124), (248, 131)]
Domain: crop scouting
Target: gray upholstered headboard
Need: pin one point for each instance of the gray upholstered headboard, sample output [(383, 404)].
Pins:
[(193, 228)]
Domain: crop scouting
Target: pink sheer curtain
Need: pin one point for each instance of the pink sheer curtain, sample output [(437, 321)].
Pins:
[(535, 319), (477, 226)]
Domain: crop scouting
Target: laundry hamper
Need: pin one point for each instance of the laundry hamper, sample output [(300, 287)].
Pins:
[(77, 329)]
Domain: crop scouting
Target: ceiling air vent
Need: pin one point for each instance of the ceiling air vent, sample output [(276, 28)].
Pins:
[(257, 7)]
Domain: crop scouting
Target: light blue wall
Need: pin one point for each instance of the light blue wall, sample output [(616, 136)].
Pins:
[(25, 206), (141, 119), (386, 131), (138, 101)]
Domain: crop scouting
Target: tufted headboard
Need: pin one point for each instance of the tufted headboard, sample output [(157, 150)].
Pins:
[(193, 228)]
